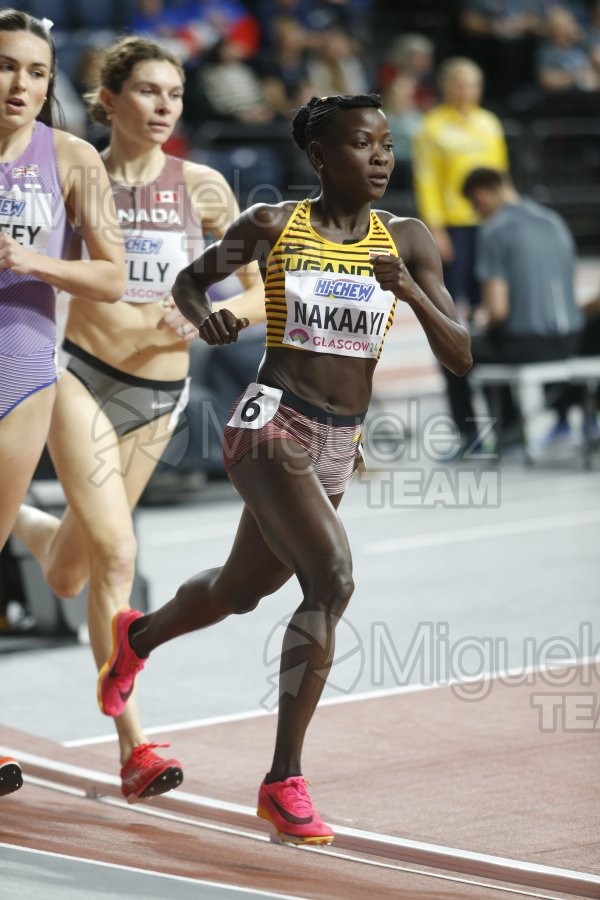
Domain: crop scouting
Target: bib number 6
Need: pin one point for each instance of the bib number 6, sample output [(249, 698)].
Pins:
[(251, 409), (257, 406)]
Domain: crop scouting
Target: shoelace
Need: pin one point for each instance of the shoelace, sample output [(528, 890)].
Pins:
[(295, 795), (144, 753), (132, 665)]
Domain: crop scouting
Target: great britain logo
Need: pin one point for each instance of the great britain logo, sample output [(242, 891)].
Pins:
[(26, 172)]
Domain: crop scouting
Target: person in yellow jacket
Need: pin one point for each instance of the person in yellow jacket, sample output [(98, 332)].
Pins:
[(456, 136)]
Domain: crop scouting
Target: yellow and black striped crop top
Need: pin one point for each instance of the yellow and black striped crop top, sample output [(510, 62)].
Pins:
[(322, 296)]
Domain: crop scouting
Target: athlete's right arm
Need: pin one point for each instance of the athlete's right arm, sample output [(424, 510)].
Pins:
[(90, 208), (249, 237)]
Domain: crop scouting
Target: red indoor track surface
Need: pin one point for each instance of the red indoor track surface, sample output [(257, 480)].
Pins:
[(406, 777)]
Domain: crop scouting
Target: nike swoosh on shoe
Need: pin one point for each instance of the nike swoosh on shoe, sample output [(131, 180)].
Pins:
[(288, 816)]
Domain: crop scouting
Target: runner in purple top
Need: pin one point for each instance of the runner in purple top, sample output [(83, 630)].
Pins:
[(47, 179)]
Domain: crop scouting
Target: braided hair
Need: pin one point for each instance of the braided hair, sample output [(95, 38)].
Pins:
[(316, 117)]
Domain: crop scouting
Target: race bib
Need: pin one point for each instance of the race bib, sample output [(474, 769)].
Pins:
[(26, 215), (346, 315), (257, 407)]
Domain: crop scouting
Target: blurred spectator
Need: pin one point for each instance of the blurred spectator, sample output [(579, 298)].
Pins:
[(563, 62), (578, 8), (505, 20), (315, 15), (194, 26), (166, 22), (526, 263), (86, 78), (593, 38), (283, 69), (225, 86), (336, 66), (405, 120), (71, 105), (413, 54), (86, 75), (228, 19), (269, 11), (158, 18), (457, 135), (233, 128), (499, 36)]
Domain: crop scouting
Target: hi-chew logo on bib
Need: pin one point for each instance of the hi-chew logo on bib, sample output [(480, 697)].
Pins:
[(340, 315), (11, 207), (27, 217), (149, 246), (344, 288)]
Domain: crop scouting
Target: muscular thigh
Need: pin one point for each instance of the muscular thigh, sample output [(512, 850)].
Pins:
[(297, 520), (252, 570), (87, 457), (141, 451), (23, 434)]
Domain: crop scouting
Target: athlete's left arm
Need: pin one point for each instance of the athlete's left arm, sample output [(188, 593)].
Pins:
[(415, 277), (217, 207)]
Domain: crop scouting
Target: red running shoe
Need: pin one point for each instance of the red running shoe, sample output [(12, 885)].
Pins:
[(117, 676), (11, 775), (146, 774), (287, 805)]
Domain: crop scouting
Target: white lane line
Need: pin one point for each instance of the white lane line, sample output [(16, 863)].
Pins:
[(437, 856), (505, 674), (482, 865), (150, 873), (146, 809), (51, 765), (176, 726), (226, 529), (264, 838), (484, 532), (381, 865), (92, 776)]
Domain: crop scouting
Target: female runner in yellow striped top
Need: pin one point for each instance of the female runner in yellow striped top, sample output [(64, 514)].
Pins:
[(334, 270)]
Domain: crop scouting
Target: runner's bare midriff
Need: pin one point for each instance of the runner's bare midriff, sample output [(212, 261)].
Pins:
[(127, 337)]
